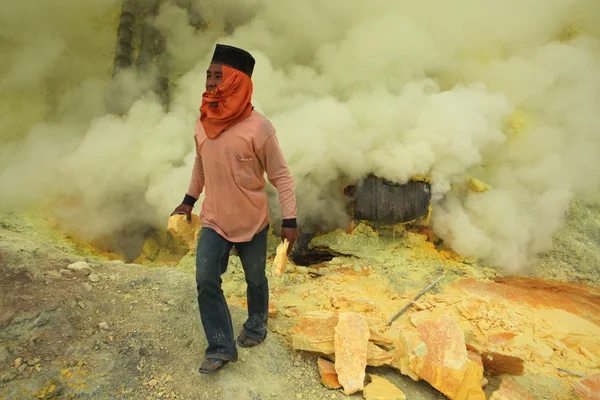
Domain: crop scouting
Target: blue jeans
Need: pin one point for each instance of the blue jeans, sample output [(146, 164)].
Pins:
[(211, 262)]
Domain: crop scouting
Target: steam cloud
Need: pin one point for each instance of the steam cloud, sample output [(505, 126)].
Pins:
[(506, 92)]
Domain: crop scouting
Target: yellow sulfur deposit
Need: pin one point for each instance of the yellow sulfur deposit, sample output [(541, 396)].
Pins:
[(281, 259), (477, 186), (186, 232), (421, 178), (518, 121)]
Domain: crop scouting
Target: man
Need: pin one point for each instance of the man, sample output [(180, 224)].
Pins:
[(235, 146)]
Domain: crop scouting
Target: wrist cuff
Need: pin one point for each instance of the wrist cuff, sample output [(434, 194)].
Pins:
[(189, 200), (289, 223)]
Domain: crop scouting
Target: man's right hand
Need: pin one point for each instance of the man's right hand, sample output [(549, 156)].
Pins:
[(184, 209)]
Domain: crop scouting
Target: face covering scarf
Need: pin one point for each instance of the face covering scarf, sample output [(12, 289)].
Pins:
[(233, 99)]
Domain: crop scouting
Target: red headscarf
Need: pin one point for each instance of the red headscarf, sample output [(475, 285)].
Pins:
[(233, 97)]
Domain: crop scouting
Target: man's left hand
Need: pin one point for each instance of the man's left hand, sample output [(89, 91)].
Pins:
[(291, 234)]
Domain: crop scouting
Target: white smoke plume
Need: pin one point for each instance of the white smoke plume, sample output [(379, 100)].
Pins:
[(502, 91)]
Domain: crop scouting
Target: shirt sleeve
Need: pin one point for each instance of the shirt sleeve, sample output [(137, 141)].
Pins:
[(197, 182), (275, 166)]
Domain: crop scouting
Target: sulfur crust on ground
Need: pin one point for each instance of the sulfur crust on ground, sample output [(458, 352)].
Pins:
[(154, 342)]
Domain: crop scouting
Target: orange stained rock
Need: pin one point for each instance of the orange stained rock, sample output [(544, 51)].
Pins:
[(586, 292), (351, 340), (498, 363), (476, 358), (439, 356), (501, 338), (401, 360), (382, 389), (354, 304), (329, 377), (376, 356), (510, 390), (469, 309), (588, 388), (380, 339), (315, 332), (576, 298)]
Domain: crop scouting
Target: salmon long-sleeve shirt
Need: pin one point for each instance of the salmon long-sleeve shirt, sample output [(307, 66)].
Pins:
[(230, 170)]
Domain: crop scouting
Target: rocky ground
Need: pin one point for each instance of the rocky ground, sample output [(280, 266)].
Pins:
[(74, 324)]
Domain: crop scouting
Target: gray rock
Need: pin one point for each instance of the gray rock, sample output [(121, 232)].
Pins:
[(81, 267), (4, 355), (7, 377), (53, 274)]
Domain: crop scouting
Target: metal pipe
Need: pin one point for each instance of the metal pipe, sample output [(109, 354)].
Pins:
[(125, 36)]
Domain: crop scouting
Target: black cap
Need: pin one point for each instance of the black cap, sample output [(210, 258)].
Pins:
[(234, 58)]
